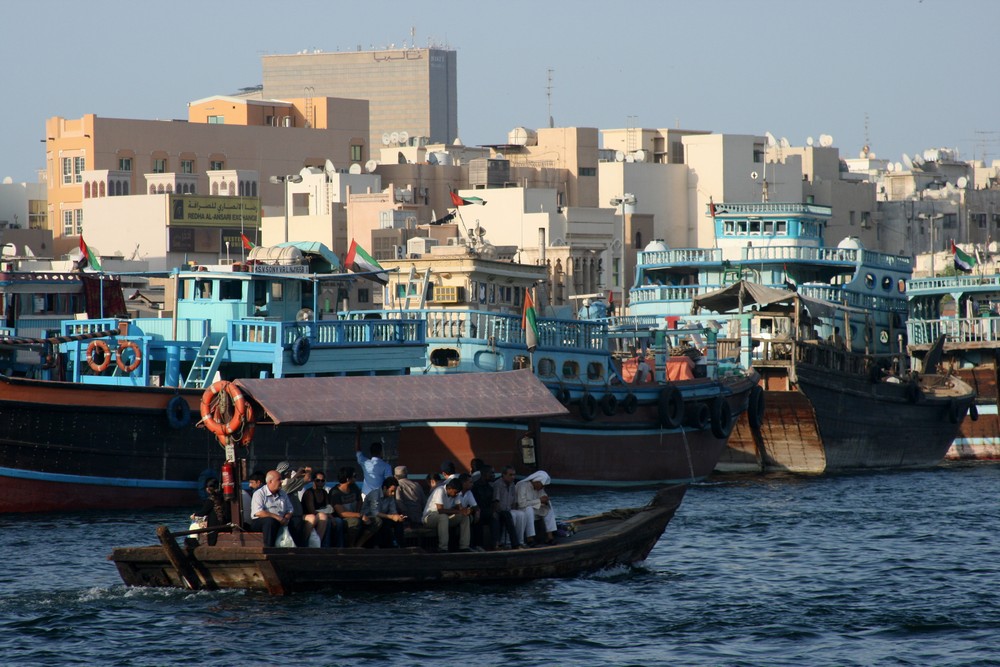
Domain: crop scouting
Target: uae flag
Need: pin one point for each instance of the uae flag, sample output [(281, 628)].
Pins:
[(89, 256), (465, 201), (247, 243), (963, 262), (528, 322), (360, 261)]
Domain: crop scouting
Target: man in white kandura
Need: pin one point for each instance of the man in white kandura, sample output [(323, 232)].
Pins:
[(533, 500)]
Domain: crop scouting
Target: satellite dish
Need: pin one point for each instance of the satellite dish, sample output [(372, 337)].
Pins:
[(304, 315), (407, 195), (329, 168), (962, 182), (890, 167), (640, 155), (619, 156), (404, 137), (386, 138), (630, 158), (481, 231), (825, 140), (784, 143), (354, 169), (809, 141), (394, 137), (8, 250), (499, 156), (432, 158), (899, 167), (753, 175), (771, 141), (370, 166), (907, 162)]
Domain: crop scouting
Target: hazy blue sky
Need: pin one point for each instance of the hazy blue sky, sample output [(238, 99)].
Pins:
[(924, 71)]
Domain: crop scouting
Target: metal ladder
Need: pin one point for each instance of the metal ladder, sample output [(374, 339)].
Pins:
[(206, 363)]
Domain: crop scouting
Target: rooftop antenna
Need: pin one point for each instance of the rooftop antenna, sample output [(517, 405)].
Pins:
[(548, 95)]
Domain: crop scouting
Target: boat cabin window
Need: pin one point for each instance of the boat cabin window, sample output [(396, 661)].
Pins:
[(277, 291), (231, 290), (901, 286), (259, 295), (570, 369), (445, 357), (729, 228), (521, 361), (202, 289), (886, 283), (870, 280), (595, 371), (546, 367)]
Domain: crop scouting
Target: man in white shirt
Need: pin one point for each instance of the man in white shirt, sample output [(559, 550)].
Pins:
[(444, 511)]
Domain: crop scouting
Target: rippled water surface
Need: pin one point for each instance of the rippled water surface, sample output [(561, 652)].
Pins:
[(868, 569)]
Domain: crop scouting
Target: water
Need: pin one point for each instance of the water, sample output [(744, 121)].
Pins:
[(869, 569)]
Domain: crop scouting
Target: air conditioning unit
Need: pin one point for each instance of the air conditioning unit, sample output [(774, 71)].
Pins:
[(448, 294)]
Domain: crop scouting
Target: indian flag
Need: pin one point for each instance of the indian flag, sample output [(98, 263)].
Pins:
[(465, 201), (963, 262), (360, 261), (528, 322), (88, 255)]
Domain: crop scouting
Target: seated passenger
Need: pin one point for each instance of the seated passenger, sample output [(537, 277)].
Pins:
[(534, 501), (215, 509), (507, 518), (271, 510), (444, 511), (387, 522), (317, 512), (410, 496), (346, 501), (484, 532), (255, 482)]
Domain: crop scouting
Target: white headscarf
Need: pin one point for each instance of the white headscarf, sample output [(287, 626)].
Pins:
[(539, 476)]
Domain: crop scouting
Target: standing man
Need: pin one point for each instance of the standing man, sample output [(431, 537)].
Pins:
[(272, 510), (374, 469)]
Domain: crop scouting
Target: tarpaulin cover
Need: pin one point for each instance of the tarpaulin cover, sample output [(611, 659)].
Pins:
[(402, 398), (742, 293)]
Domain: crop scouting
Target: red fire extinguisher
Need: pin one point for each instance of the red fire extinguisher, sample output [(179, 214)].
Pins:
[(228, 487)]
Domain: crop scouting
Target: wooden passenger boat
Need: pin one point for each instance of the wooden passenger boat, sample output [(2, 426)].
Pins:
[(240, 561)]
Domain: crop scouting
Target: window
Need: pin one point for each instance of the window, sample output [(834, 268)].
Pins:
[(851, 216), (445, 358), (79, 164), (67, 169), (869, 280), (356, 152), (570, 369), (231, 290), (187, 166), (546, 367), (364, 295), (79, 221), (124, 164), (203, 289), (588, 171), (159, 166), (216, 165), (67, 223), (866, 219), (887, 283), (37, 216), (595, 371), (979, 219), (216, 120)]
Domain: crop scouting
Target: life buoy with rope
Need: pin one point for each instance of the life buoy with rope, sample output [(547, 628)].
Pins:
[(722, 418), (215, 406), (755, 408), (124, 347), (609, 404), (244, 437), (563, 395), (588, 407), (178, 412), (696, 415), (670, 407), (630, 404), (300, 351), (98, 356)]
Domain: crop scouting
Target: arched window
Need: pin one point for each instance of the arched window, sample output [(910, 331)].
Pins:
[(253, 189), (122, 188), (215, 188), (101, 187), (86, 190), (170, 189), (152, 189), (232, 189)]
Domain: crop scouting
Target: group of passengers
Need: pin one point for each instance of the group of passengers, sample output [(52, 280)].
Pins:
[(484, 513)]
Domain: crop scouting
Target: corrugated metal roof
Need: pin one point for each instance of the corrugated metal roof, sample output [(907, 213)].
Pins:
[(402, 398)]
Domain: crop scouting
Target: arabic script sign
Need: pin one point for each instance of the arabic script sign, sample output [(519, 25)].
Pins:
[(194, 211)]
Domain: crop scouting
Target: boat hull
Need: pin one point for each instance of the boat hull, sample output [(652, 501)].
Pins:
[(979, 439)]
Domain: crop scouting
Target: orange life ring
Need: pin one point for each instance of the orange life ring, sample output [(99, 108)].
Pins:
[(246, 437), (98, 366), (128, 345), (212, 414)]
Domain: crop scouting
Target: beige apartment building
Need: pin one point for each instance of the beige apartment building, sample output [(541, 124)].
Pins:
[(124, 156), (413, 92)]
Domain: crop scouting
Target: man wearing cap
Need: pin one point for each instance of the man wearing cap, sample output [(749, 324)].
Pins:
[(271, 510), (374, 469), (410, 496)]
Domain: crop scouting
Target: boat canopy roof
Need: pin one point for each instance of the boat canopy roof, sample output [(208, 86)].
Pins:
[(401, 398), (745, 293)]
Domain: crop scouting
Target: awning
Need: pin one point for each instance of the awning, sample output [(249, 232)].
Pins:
[(742, 293), (402, 398)]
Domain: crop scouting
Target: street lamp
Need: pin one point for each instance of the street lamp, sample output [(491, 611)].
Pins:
[(627, 199), (289, 178), (932, 218)]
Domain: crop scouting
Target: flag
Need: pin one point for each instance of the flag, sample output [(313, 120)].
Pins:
[(528, 322), (89, 256), (711, 208), (361, 262), (963, 262), (463, 201), (247, 243), (447, 218)]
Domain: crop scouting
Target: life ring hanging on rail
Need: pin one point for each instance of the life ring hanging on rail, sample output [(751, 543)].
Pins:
[(245, 435), (123, 347), (95, 347), (215, 406)]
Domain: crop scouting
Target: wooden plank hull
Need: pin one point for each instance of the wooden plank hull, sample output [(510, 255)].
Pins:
[(979, 439), (615, 538)]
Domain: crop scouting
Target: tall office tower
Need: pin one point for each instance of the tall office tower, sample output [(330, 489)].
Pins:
[(413, 92)]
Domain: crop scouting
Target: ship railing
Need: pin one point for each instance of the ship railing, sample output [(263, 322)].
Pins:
[(680, 256), (916, 285), (957, 331), (822, 354), (853, 299), (799, 253), (678, 293), (326, 333)]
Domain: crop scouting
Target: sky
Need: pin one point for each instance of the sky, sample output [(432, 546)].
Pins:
[(902, 75)]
